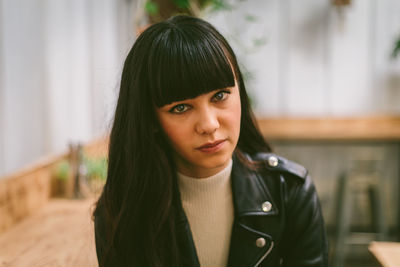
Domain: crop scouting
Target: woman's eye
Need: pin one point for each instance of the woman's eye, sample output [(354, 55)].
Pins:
[(179, 108), (220, 96)]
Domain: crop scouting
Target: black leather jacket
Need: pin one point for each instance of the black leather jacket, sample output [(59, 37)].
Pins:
[(278, 219)]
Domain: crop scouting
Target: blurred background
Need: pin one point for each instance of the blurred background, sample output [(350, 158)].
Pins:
[(323, 77)]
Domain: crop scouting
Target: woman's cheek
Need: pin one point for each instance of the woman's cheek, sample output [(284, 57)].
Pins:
[(176, 130), (235, 119)]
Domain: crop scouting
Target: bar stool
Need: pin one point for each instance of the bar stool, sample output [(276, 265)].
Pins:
[(363, 177)]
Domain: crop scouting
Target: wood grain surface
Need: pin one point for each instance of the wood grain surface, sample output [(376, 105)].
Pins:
[(331, 129), (60, 234), (23, 195), (387, 253)]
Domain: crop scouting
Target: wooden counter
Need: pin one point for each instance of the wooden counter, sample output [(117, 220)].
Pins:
[(387, 253), (59, 234), (331, 129)]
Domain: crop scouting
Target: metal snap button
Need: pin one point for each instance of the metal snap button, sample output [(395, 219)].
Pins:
[(273, 161), (260, 242), (266, 206)]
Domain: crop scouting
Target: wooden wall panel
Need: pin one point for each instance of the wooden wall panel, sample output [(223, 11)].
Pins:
[(350, 59), (386, 89), (306, 70), (262, 61), (318, 60)]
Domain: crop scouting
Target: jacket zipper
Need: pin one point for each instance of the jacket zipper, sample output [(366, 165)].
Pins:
[(265, 255)]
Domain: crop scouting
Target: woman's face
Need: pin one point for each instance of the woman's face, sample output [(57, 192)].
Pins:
[(203, 131)]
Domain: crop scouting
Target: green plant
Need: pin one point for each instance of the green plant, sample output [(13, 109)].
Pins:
[(151, 8), (96, 167), (158, 10), (396, 48), (62, 170)]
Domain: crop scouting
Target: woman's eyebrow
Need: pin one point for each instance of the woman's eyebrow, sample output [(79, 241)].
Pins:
[(178, 102)]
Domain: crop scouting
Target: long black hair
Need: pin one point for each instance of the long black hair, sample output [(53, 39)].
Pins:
[(177, 59)]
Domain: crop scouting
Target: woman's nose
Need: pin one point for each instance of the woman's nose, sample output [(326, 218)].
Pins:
[(207, 122)]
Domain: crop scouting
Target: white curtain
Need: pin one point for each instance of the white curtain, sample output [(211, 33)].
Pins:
[(60, 63)]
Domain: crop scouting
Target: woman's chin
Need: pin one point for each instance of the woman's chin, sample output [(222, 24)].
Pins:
[(215, 165)]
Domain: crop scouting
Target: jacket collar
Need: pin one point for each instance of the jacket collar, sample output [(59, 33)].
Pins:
[(249, 191)]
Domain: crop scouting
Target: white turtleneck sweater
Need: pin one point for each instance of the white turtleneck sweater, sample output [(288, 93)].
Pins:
[(208, 205)]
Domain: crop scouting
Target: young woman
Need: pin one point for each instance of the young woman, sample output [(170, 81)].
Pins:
[(191, 181)]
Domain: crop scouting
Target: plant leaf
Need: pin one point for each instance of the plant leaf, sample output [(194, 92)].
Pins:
[(184, 4), (250, 18), (151, 8), (218, 5), (396, 48)]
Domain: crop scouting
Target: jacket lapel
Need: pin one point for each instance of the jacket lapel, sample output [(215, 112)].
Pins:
[(250, 243), (185, 241)]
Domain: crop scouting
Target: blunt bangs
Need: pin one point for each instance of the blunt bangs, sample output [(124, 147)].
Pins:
[(187, 60)]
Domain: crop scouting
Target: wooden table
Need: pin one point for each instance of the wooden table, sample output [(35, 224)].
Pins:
[(59, 234), (387, 253)]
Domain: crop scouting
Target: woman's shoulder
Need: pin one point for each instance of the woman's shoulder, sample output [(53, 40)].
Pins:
[(276, 163), (278, 172), (293, 192)]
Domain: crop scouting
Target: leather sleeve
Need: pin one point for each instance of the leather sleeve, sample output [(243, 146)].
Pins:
[(305, 235)]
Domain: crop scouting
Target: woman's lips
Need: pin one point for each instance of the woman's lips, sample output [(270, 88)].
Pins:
[(212, 147)]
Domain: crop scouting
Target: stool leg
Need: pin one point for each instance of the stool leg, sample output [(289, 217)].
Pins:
[(343, 211), (377, 214)]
